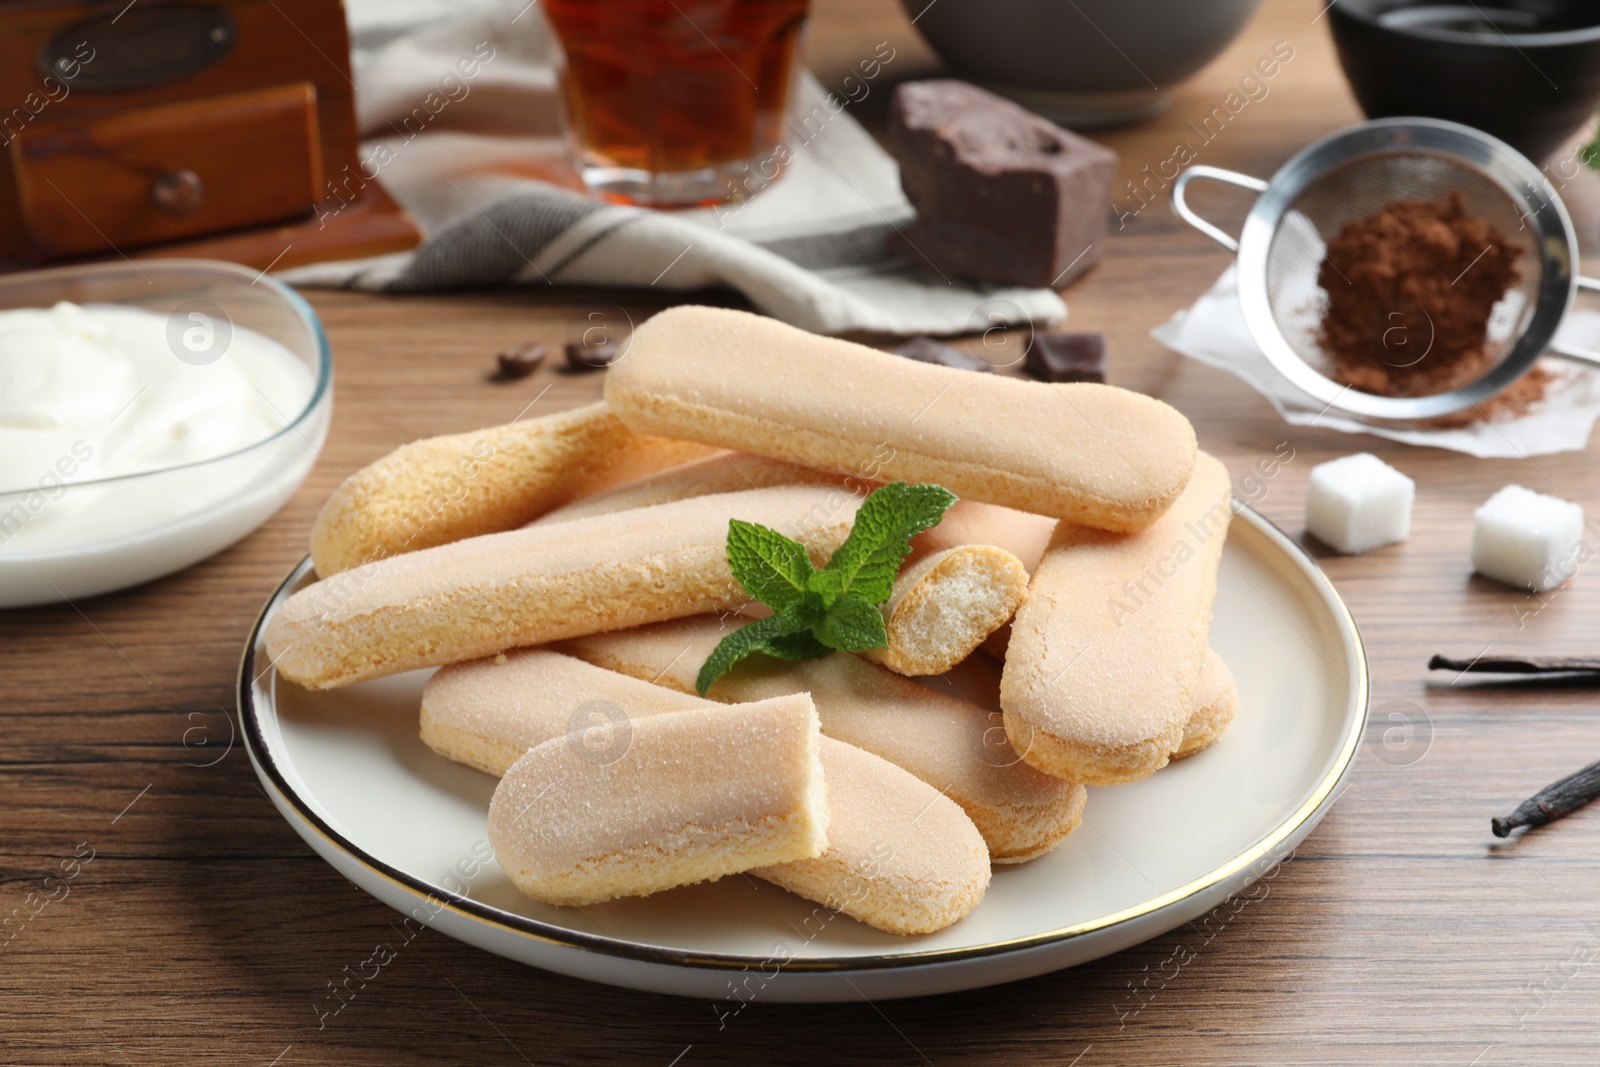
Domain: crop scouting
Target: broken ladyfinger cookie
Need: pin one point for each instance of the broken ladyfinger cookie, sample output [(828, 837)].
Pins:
[(900, 857), (944, 605), (955, 746)]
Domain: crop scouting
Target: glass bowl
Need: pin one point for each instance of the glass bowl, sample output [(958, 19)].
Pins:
[(62, 539)]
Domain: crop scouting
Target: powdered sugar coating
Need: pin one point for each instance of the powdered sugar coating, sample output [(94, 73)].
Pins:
[(972, 522), (443, 489), (900, 856)]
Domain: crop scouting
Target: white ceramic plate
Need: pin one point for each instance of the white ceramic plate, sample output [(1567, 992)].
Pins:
[(348, 771)]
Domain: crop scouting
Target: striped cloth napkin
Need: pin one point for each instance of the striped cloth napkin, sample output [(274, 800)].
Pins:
[(459, 110)]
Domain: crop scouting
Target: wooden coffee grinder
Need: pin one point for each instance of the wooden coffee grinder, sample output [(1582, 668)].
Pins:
[(214, 130)]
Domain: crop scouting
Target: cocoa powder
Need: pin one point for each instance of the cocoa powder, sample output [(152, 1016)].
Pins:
[(1410, 291)]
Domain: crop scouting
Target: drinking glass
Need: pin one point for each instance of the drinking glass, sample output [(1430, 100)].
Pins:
[(669, 102)]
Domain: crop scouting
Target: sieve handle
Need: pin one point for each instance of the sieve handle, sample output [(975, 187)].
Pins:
[(1181, 208), (1579, 355)]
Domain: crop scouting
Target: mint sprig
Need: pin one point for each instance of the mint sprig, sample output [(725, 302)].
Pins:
[(816, 612)]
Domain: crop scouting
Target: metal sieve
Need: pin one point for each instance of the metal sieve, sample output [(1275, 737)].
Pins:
[(1353, 174)]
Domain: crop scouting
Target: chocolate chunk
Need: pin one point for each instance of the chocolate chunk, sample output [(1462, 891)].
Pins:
[(1067, 357), (520, 361), (1001, 194), (587, 357), (927, 350)]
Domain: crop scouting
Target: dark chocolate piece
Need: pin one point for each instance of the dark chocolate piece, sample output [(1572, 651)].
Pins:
[(928, 350), (519, 362), (1001, 194), (587, 357), (1067, 357)]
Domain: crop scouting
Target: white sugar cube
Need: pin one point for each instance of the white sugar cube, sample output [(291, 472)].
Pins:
[(1358, 502), (1527, 539)]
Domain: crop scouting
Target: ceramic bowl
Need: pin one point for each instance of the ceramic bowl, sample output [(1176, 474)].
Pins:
[(1083, 63)]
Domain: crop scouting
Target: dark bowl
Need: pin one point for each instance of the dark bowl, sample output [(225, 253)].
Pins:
[(1526, 71)]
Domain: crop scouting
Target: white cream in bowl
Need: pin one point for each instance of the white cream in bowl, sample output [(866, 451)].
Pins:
[(133, 443)]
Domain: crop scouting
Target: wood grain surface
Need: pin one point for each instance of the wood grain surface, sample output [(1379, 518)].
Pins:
[(205, 931)]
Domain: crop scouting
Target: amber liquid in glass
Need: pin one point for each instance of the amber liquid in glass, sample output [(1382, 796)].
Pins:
[(665, 99)]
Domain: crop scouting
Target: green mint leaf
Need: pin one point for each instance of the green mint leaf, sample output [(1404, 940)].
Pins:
[(853, 624), (802, 615), (772, 568), (785, 634), (751, 637), (816, 612), (886, 522), (825, 585), (796, 647)]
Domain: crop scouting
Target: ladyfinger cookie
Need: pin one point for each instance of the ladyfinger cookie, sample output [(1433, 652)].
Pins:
[(1215, 705), (972, 522), (944, 605), (969, 522), (956, 747), (487, 712), (1103, 665), (486, 594), (694, 796), (725, 472), (1091, 453), (442, 489), (900, 856), (1216, 700)]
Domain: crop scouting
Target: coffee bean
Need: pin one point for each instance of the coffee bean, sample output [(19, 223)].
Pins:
[(582, 357), (519, 361)]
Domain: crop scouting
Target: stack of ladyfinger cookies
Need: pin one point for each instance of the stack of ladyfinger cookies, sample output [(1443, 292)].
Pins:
[(569, 575)]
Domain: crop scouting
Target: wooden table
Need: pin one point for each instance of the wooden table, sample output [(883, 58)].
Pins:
[(204, 931)]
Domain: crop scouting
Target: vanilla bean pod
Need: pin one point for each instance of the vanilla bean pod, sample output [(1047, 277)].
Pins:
[(1518, 665), (1552, 802)]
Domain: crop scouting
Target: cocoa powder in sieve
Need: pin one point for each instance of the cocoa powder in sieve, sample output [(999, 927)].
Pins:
[(1410, 291)]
